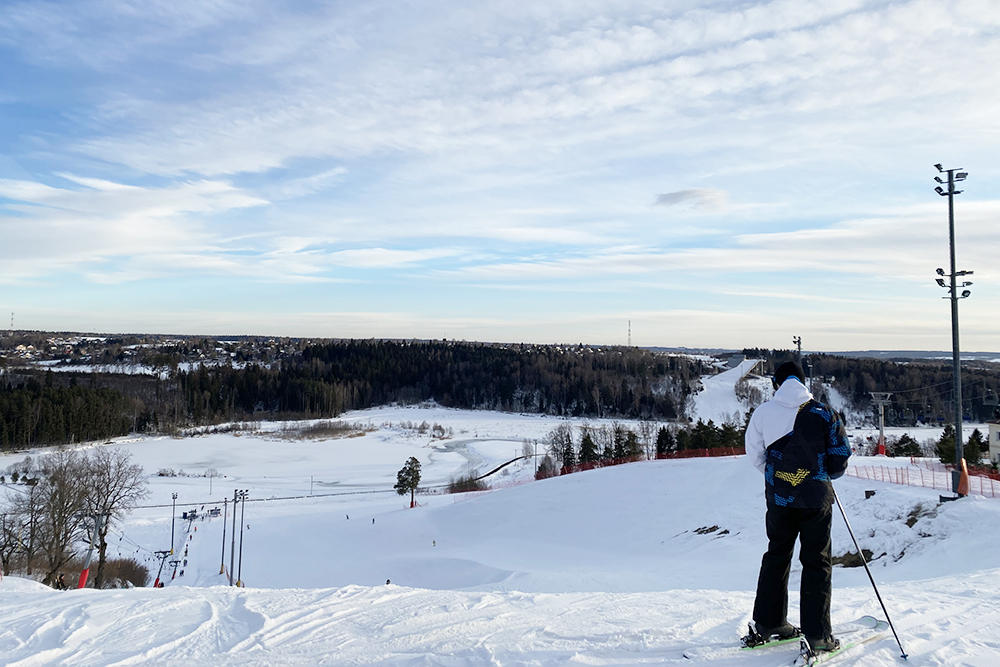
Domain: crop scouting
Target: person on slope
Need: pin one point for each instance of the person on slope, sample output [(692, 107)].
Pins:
[(800, 445)]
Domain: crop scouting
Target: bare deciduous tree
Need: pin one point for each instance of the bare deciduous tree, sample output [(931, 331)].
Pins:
[(61, 492), (114, 486)]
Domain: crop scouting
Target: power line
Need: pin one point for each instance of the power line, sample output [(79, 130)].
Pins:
[(264, 500)]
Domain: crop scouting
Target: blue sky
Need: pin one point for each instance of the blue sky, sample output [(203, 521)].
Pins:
[(720, 174)]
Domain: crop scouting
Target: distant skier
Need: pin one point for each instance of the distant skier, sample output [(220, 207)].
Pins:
[(799, 444)]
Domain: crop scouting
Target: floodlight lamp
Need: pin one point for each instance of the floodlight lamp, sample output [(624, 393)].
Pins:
[(958, 192), (940, 190), (964, 273), (967, 283), (938, 179), (940, 281), (939, 168), (940, 272), (961, 176), (966, 293)]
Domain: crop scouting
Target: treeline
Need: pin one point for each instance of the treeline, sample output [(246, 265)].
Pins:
[(325, 380), (331, 378), (33, 414), (921, 390), (304, 379), (614, 444)]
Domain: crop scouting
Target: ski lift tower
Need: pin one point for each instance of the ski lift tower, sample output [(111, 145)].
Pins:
[(881, 399)]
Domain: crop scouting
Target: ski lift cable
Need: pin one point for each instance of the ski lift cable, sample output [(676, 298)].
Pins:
[(123, 537)]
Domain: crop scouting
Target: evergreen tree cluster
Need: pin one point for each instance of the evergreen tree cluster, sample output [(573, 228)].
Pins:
[(973, 449), (616, 443), (328, 379), (32, 414), (251, 379)]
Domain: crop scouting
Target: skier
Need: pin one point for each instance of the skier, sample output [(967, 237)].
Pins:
[(799, 444)]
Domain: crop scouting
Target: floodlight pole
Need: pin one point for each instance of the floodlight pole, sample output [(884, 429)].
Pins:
[(232, 548), (225, 516), (954, 296), (173, 519), (243, 508)]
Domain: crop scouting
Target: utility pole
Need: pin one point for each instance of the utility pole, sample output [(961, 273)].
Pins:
[(798, 344), (225, 517), (630, 333), (232, 548), (954, 175), (243, 508), (881, 399), (173, 518)]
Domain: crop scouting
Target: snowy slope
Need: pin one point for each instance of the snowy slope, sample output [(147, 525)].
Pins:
[(630, 565), (717, 401)]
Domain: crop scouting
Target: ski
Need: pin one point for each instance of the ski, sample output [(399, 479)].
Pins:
[(809, 658), (769, 643), (863, 624)]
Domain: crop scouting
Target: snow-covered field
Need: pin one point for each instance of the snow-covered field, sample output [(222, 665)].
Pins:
[(630, 565)]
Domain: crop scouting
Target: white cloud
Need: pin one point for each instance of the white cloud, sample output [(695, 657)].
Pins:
[(374, 258), (509, 146), (906, 243), (53, 229), (709, 200), (307, 185), (621, 77)]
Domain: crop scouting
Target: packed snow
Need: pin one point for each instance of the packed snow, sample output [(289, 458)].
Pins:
[(629, 565)]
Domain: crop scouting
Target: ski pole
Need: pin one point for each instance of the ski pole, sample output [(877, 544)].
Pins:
[(864, 561)]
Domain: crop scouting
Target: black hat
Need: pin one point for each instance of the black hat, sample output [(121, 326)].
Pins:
[(787, 370)]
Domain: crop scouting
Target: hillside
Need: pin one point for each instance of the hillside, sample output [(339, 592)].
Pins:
[(629, 565)]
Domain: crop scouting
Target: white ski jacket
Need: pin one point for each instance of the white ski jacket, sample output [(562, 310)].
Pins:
[(774, 419)]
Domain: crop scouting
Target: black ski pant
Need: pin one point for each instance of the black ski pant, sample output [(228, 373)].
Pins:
[(812, 528)]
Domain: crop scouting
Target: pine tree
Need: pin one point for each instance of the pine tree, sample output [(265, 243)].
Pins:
[(946, 445), (907, 446), (973, 450), (568, 455), (408, 478), (632, 447), (664, 441), (620, 450), (684, 439), (588, 449)]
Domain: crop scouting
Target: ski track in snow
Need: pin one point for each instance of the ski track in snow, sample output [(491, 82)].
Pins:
[(629, 565), (943, 625)]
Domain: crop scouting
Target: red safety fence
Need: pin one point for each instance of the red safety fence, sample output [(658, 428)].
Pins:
[(939, 479), (930, 464), (703, 453)]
